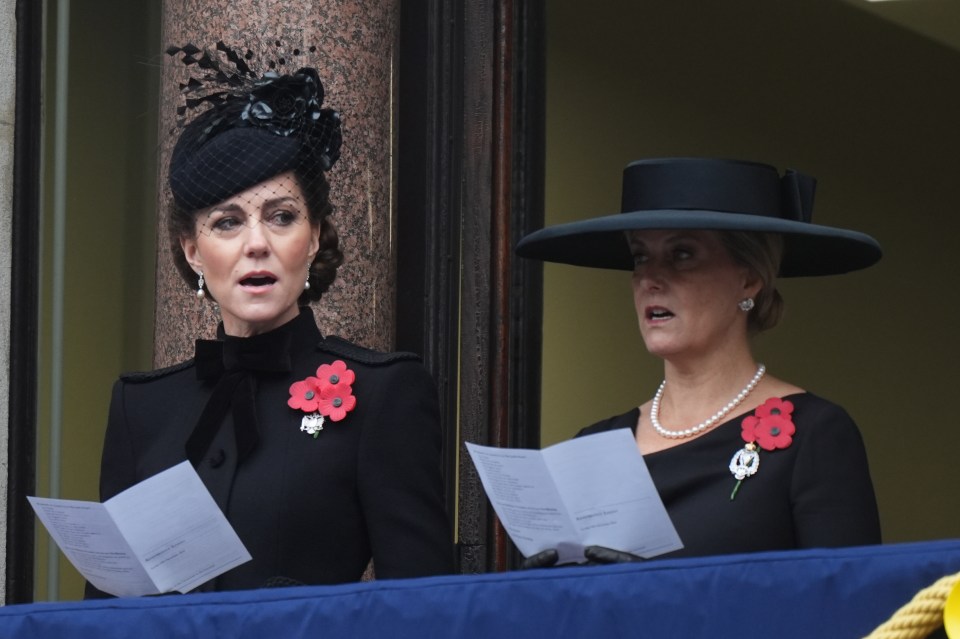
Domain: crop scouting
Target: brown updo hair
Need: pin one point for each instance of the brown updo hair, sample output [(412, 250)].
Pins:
[(761, 253), (323, 270)]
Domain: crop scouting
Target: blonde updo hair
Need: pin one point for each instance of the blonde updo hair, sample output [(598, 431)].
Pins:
[(761, 253)]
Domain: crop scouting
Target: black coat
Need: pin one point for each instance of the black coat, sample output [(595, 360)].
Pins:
[(814, 493), (314, 510)]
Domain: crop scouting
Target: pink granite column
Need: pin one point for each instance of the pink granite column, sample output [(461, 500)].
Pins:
[(355, 45)]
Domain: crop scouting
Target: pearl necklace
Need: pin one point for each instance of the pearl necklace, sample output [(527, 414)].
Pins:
[(702, 426)]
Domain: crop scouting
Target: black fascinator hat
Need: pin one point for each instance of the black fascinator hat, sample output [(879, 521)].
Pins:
[(708, 194), (254, 128)]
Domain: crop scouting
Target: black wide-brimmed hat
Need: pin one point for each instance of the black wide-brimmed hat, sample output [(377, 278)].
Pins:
[(708, 194)]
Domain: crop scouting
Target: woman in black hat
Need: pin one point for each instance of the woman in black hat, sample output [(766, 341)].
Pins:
[(742, 460), (321, 453)]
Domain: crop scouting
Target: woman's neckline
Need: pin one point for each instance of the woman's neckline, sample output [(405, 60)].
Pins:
[(710, 433), (301, 320)]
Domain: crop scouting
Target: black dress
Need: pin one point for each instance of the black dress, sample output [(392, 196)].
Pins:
[(815, 493), (310, 509)]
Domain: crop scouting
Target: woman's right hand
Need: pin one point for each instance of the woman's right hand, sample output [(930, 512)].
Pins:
[(543, 559)]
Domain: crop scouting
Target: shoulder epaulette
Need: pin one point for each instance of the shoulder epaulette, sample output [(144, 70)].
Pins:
[(339, 346), (146, 376)]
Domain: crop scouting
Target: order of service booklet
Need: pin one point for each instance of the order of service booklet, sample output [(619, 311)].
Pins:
[(165, 534), (593, 490)]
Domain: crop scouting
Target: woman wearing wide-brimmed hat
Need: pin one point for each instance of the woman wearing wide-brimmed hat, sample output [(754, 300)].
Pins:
[(321, 453), (743, 461)]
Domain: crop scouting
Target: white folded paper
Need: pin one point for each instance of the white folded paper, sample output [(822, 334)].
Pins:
[(164, 534), (593, 490)]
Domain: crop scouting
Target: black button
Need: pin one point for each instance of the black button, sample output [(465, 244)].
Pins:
[(216, 460)]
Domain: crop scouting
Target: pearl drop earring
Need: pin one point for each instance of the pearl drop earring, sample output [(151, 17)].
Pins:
[(200, 292), (306, 285)]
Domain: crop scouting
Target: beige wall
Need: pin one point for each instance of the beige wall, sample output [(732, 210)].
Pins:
[(815, 85), (108, 243)]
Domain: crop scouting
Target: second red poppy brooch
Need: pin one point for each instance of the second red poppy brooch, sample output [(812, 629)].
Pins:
[(328, 395), (770, 427)]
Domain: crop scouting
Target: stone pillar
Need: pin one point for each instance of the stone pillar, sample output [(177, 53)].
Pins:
[(8, 61), (356, 46)]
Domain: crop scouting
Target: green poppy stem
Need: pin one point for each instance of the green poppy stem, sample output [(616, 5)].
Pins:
[(735, 489)]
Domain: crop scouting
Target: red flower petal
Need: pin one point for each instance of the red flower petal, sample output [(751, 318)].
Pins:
[(770, 426), (335, 374), (774, 406), (335, 403), (305, 395), (349, 402), (775, 431), (748, 428)]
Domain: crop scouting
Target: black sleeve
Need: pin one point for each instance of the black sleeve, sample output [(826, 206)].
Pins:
[(831, 491), (117, 463), (400, 477)]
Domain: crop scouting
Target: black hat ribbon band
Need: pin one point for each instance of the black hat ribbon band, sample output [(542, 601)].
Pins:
[(734, 188), (797, 191)]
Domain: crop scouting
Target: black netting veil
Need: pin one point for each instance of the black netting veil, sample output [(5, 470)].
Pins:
[(252, 142), (246, 128)]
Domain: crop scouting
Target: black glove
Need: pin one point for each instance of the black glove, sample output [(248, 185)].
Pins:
[(281, 582), (543, 559), (604, 555)]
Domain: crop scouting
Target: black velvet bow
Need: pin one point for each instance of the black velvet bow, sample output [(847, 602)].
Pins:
[(233, 364)]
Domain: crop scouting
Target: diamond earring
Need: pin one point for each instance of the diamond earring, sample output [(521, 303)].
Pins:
[(746, 304), (200, 292)]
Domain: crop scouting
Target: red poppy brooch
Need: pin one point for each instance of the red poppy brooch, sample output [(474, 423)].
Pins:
[(770, 427), (329, 394)]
